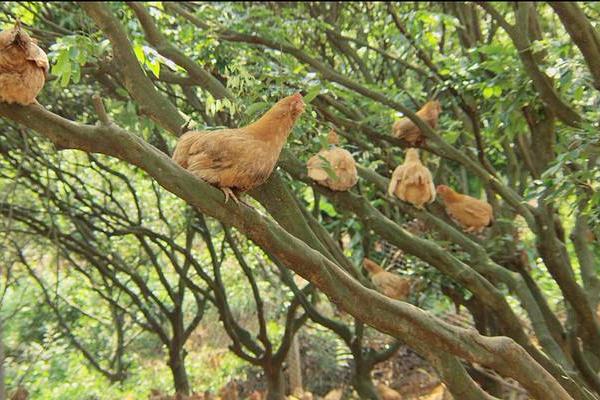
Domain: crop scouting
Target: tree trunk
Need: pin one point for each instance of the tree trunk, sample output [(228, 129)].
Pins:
[(364, 387), (362, 379), (177, 366), (275, 383), (295, 367)]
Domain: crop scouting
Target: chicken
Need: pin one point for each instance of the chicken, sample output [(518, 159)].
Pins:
[(412, 182), (338, 162), (387, 393), (405, 129), (473, 215), (243, 158), (23, 67), (387, 283)]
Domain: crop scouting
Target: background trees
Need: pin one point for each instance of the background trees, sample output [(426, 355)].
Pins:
[(102, 256)]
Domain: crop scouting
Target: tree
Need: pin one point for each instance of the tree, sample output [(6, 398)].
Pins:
[(518, 126)]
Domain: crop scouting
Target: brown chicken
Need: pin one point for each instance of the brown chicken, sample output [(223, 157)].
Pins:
[(412, 182), (339, 162), (405, 129), (243, 158), (23, 67), (472, 214), (387, 283)]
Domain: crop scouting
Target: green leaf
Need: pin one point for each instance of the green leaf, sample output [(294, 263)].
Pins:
[(154, 67), (139, 53), (323, 141), (66, 76), (76, 73), (488, 92)]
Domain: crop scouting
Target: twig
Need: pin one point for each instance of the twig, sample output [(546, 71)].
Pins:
[(185, 127), (499, 379), (100, 110)]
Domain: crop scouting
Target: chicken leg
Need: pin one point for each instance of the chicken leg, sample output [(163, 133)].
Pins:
[(228, 192)]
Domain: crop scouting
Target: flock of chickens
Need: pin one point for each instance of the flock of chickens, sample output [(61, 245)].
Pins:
[(238, 160)]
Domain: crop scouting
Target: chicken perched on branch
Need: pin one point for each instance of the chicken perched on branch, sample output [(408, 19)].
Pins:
[(334, 168), (412, 182), (387, 283), (23, 67), (243, 158), (405, 129), (472, 214)]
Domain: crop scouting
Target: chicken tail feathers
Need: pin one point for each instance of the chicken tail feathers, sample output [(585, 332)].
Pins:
[(182, 150)]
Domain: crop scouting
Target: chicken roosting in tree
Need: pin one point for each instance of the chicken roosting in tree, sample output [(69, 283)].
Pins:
[(237, 160), (387, 283), (406, 129), (334, 168), (470, 213), (23, 66), (412, 182)]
